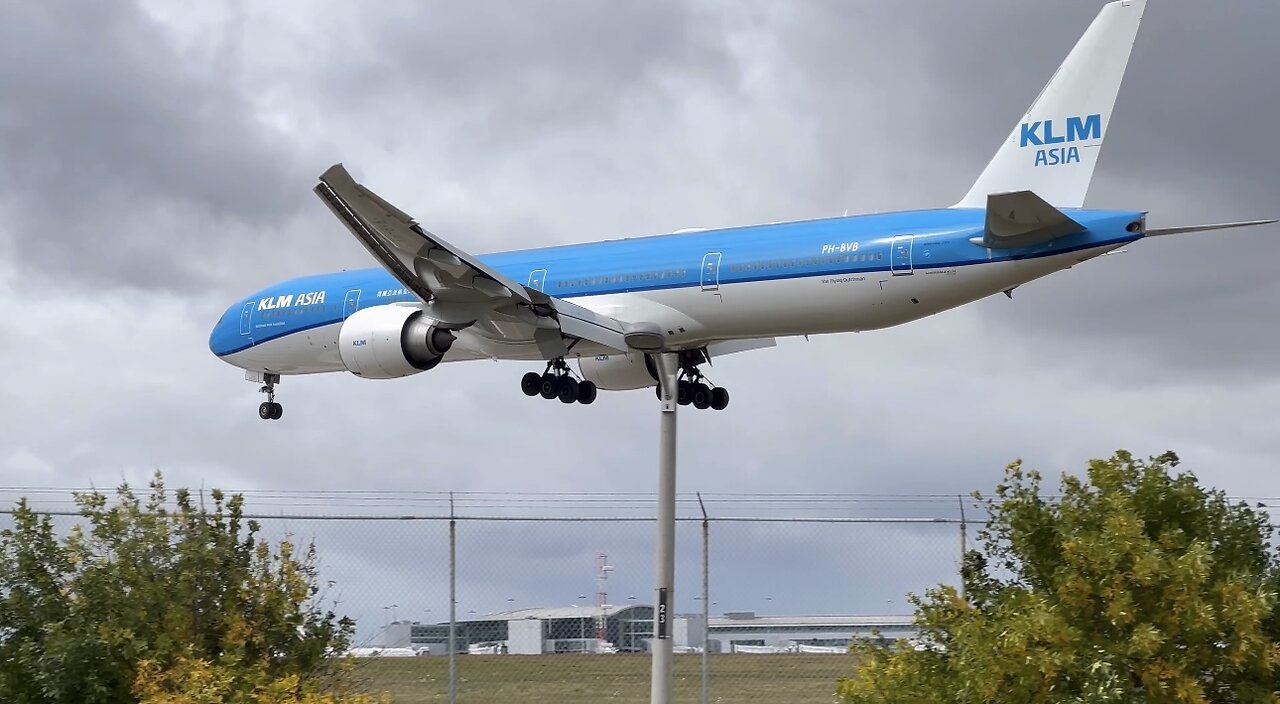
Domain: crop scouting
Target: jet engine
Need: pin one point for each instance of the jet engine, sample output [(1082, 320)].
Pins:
[(619, 372), (386, 342)]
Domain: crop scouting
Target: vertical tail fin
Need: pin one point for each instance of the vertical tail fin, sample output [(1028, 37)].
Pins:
[(1053, 149)]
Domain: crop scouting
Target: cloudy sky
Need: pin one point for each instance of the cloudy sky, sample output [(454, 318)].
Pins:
[(156, 164)]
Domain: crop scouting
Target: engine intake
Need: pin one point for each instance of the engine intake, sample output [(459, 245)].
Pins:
[(388, 342)]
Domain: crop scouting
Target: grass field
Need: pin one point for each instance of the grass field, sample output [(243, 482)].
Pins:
[(589, 679)]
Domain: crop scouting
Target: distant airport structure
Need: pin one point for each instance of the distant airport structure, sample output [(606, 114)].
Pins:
[(536, 631)]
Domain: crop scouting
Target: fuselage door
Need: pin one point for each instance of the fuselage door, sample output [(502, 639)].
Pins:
[(900, 255), (351, 304), (711, 271), (538, 279), (246, 318)]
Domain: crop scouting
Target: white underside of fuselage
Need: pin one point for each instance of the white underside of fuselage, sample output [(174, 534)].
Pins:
[(694, 317)]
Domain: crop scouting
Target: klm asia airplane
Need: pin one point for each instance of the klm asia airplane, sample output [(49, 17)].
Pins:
[(613, 305)]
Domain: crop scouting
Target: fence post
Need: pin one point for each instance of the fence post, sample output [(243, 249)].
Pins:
[(453, 603), (964, 543), (706, 599)]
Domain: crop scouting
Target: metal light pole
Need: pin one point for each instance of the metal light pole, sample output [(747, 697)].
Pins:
[(660, 683)]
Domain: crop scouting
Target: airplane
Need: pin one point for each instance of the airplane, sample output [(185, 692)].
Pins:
[(613, 305)]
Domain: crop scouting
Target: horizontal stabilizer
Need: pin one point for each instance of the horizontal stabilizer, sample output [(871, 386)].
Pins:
[(1023, 219), (1205, 228)]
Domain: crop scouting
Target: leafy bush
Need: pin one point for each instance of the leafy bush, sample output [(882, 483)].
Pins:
[(1135, 585), (160, 602)]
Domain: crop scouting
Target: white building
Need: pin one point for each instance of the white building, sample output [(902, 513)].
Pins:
[(629, 629), (745, 632), (533, 631)]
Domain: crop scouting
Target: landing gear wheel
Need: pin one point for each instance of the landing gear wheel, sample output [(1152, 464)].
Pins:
[(586, 393), (719, 398), (701, 396), (269, 409), (531, 384), (684, 395), (549, 386), (568, 389)]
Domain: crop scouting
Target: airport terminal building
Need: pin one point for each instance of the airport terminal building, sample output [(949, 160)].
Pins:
[(536, 631), (533, 631), (746, 632)]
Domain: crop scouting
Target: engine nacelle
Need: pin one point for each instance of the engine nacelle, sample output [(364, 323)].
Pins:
[(387, 342), (619, 372)]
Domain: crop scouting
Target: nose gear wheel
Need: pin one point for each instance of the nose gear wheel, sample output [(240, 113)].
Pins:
[(269, 409)]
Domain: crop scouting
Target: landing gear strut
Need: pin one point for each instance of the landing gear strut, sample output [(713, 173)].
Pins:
[(693, 388), (269, 409), (558, 382)]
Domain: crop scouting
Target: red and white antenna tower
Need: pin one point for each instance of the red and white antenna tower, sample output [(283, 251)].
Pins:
[(603, 568)]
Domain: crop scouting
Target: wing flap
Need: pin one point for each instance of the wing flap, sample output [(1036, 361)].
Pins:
[(720, 349), (580, 322)]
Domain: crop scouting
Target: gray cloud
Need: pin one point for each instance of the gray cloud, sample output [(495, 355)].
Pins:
[(125, 154), (520, 71)]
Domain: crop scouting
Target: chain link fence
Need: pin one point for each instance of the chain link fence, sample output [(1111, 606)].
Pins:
[(545, 606), (561, 609)]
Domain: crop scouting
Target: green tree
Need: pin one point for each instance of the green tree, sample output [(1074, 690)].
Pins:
[(1134, 585), (158, 600)]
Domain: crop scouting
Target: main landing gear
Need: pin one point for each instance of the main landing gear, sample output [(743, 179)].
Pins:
[(693, 388), (269, 409), (557, 382)]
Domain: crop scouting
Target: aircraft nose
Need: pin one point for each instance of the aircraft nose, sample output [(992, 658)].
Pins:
[(213, 332), (222, 336)]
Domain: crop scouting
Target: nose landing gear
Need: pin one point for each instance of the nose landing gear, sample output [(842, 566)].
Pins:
[(269, 409), (557, 382)]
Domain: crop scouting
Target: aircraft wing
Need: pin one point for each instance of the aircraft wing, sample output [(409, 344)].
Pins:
[(460, 288)]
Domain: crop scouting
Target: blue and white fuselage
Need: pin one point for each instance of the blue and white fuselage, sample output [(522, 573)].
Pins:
[(818, 276)]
